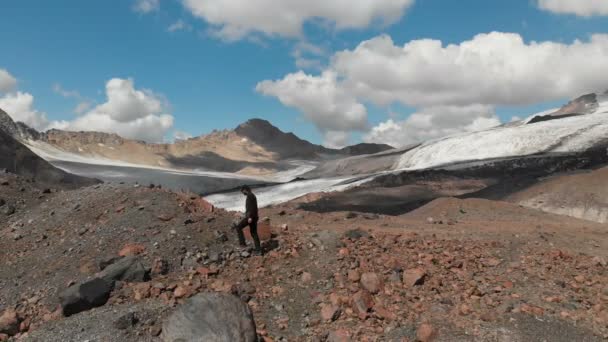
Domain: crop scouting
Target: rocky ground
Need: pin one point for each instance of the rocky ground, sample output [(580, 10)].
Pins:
[(452, 270)]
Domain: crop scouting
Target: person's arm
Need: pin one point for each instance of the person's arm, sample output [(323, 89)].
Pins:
[(248, 209)]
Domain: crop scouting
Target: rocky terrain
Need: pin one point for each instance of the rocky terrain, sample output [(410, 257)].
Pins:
[(452, 270)]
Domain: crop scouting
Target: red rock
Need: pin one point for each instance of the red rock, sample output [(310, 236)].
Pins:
[(384, 313), (491, 262), (371, 282), (180, 292), (579, 279), (334, 298), (3, 337), (361, 303), (131, 249), (25, 325), (340, 335), (141, 291), (425, 333), (599, 261), (165, 217), (465, 309), (330, 312), (9, 322), (343, 252), (413, 277), (354, 275), (306, 278)]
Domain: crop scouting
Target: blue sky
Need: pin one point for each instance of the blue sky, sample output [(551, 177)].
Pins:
[(207, 81)]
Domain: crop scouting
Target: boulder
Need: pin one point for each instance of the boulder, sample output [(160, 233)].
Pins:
[(85, 296), (128, 269), (210, 317)]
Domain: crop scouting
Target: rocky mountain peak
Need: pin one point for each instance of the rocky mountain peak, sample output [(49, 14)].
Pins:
[(18, 130)]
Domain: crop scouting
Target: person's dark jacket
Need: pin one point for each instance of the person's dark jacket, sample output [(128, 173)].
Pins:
[(251, 207)]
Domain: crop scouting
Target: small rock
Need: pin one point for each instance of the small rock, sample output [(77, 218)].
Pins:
[(371, 282), (156, 330), (9, 322), (596, 261), (9, 210), (425, 333), (413, 277), (356, 234), (306, 278), (180, 292), (2, 202), (330, 312), (131, 249), (354, 275), (362, 302), (351, 215), (127, 321), (160, 267)]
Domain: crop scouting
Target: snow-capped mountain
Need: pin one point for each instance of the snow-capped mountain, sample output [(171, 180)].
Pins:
[(580, 125)]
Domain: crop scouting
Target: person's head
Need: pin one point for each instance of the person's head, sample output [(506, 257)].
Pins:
[(245, 190)]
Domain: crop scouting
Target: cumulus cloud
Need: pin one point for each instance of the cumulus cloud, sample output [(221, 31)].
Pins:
[(7, 81), (321, 100), (495, 68), (129, 112), (583, 8), (146, 6), (463, 81), (20, 107), (236, 19), (432, 123)]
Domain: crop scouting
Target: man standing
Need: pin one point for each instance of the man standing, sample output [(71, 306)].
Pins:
[(251, 219)]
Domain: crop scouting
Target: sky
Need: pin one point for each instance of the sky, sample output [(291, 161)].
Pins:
[(333, 72)]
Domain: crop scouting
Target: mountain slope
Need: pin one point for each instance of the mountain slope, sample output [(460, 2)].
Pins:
[(255, 147), (18, 159)]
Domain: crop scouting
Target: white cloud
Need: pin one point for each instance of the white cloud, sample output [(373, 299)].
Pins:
[(179, 26), (321, 99), (432, 123), (495, 69), (20, 107), (146, 6), (236, 19), (583, 8), (7, 81), (131, 113), (453, 86)]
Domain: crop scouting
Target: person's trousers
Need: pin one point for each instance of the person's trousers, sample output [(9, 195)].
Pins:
[(253, 229)]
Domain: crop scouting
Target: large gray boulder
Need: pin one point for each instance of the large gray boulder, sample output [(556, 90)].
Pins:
[(85, 296), (211, 317), (128, 269)]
